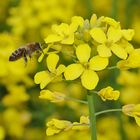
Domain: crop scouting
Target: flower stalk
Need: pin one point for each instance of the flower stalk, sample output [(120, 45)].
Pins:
[(92, 116), (107, 111)]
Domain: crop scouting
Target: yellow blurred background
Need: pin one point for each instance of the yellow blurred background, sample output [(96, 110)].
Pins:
[(23, 115)]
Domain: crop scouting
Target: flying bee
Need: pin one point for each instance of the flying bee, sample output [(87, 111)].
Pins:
[(25, 51)]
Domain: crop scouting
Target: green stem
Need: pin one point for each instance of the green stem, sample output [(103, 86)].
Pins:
[(76, 100), (112, 67), (92, 116), (109, 110)]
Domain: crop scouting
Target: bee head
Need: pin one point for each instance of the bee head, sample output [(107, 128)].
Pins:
[(38, 47)]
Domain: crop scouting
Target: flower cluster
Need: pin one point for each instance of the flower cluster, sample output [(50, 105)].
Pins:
[(133, 111), (56, 126), (86, 47), (92, 42)]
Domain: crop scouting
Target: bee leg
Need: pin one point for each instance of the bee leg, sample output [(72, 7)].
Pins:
[(25, 58), (41, 48), (29, 53)]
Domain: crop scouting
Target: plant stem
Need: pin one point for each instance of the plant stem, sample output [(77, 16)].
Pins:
[(76, 100), (109, 110), (92, 116), (112, 67)]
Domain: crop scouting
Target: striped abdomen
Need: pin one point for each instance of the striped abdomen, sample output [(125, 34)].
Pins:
[(17, 54)]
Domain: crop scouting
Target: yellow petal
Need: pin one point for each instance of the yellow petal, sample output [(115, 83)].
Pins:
[(63, 28), (51, 96), (89, 79), (73, 71), (119, 51), (83, 52), (53, 38), (68, 40), (60, 69), (137, 109), (84, 119), (128, 34), (126, 45), (42, 55), (76, 21), (93, 20), (46, 94), (111, 22), (51, 131), (133, 60), (123, 65), (114, 34), (98, 63), (45, 82), (52, 61), (42, 78), (137, 118), (104, 51), (98, 35)]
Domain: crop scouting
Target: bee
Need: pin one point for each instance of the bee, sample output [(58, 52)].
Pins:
[(24, 51)]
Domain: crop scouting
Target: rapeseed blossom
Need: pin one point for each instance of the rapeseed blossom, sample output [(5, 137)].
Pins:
[(109, 94), (56, 126), (86, 68), (52, 96), (133, 61), (110, 42), (45, 77), (24, 21), (89, 45), (133, 111)]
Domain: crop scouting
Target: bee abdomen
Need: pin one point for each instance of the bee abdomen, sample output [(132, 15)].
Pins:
[(17, 54)]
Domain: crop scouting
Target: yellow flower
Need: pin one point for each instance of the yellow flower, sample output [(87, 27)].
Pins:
[(110, 42), (52, 96), (133, 111), (62, 33), (76, 22), (133, 60), (109, 94), (56, 126), (128, 34), (111, 22), (86, 68), (45, 77), (82, 125)]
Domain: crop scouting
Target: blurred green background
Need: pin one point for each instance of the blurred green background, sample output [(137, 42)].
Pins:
[(23, 115)]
